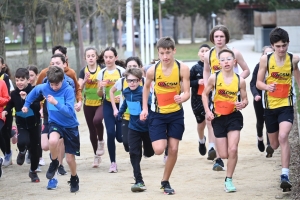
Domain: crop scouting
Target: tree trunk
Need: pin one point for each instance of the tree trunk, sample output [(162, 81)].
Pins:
[(57, 21), (109, 34), (103, 40), (95, 32), (208, 26), (44, 36), (193, 19), (74, 38), (2, 38), (30, 24), (91, 27), (116, 33), (175, 29)]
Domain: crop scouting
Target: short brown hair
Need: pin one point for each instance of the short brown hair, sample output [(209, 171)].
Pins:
[(226, 51), (55, 74), (166, 43), (219, 28), (137, 72)]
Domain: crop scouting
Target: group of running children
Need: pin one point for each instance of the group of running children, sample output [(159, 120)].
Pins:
[(143, 108)]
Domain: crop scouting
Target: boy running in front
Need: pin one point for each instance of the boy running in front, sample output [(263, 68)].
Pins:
[(62, 121), (275, 78), (138, 132), (224, 114), (166, 117)]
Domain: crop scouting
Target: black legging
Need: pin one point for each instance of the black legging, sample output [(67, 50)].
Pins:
[(5, 134), (94, 117), (30, 139), (260, 119)]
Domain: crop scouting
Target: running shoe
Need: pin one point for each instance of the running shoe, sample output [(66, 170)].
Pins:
[(7, 159), (14, 132), (100, 149), (212, 154), (285, 184), (52, 169), (269, 151), (1, 161), (165, 185), (61, 170), (202, 148), (28, 158), (261, 145), (38, 169), (21, 158), (52, 184), (138, 187), (165, 159), (34, 177), (42, 162), (97, 161), (218, 165), (229, 187), (74, 183), (113, 168)]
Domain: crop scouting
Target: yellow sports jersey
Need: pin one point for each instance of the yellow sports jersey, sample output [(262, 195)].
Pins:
[(225, 95), (90, 91), (214, 61), (165, 88), (282, 77), (111, 79), (126, 115)]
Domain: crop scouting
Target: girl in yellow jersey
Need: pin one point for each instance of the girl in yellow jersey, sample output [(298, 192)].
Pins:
[(92, 107), (106, 80), (120, 85), (220, 37), (275, 78), (224, 114)]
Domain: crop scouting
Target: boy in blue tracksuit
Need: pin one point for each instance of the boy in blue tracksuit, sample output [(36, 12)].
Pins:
[(63, 123), (138, 134)]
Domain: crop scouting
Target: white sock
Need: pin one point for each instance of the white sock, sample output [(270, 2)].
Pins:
[(202, 141), (285, 171), (260, 138), (211, 145)]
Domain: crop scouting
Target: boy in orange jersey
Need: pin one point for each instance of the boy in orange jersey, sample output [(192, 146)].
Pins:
[(228, 98)]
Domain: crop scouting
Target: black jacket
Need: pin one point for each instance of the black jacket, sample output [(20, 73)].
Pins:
[(25, 121), (196, 73), (253, 87)]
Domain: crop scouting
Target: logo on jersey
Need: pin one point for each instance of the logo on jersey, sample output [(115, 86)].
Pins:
[(92, 81), (198, 74), (220, 84), (167, 84), (111, 82), (217, 67), (280, 76), (272, 67), (159, 77), (227, 94)]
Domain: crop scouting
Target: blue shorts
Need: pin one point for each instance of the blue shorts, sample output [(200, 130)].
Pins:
[(70, 136), (163, 126)]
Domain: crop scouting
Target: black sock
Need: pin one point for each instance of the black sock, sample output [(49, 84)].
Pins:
[(227, 177), (73, 177)]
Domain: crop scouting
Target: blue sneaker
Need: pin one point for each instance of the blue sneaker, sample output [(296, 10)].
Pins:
[(7, 159), (52, 184), (218, 165), (229, 187), (285, 184)]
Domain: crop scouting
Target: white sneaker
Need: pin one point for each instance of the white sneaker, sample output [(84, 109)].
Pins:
[(165, 159), (27, 158), (42, 162), (38, 169), (97, 161), (113, 168), (100, 149)]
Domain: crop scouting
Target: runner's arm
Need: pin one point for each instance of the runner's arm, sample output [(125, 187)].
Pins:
[(243, 93), (240, 60), (206, 68), (296, 70), (185, 78), (260, 84), (253, 82)]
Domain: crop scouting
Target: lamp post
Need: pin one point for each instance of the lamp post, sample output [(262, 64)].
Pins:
[(213, 15), (159, 17)]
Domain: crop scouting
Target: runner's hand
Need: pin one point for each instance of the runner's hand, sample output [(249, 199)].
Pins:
[(257, 98), (78, 106), (51, 100), (143, 115), (239, 105), (200, 82), (177, 99), (209, 116), (271, 87), (116, 112), (23, 94), (24, 109), (4, 113)]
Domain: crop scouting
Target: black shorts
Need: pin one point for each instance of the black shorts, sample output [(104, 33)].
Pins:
[(225, 123), (200, 116), (273, 117), (70, 136), (163, 126)]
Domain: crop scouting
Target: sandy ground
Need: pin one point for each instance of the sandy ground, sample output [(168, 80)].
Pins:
[(255, 177)]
